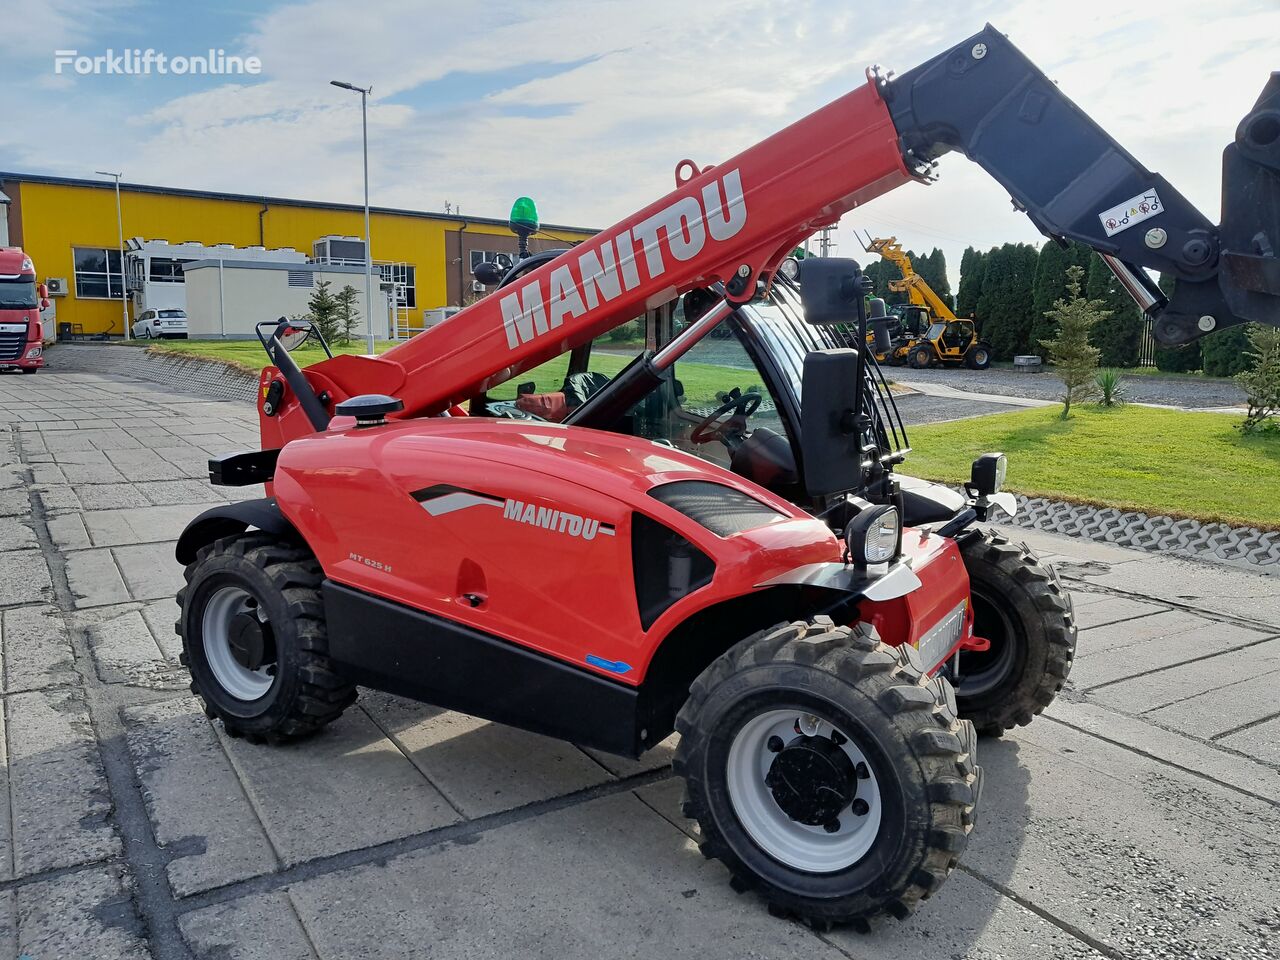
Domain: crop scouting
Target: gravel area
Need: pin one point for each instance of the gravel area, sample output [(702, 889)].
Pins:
[(1175, 391)]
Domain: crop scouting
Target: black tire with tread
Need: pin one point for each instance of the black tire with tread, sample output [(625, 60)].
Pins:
[(928, 754), (1041, 609), (308, 693), (971, 356), (920, 358)]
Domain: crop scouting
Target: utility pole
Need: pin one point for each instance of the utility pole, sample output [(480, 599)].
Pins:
[(368, 246), (124, 287)]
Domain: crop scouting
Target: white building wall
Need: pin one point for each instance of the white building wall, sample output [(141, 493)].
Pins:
[(228, 301)]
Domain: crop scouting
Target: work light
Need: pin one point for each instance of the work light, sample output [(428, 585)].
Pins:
[(987, 476), (872, 536)]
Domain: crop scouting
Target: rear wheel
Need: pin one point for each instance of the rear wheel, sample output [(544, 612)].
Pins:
[(921, 357), (253, 637), (978, 357), (827, 772), (1021, 608)]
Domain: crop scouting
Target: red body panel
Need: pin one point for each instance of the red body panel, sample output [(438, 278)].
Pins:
[(351, 495), (751, 209), (15, 263)]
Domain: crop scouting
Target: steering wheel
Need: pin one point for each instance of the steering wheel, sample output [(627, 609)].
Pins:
[(736, 402)]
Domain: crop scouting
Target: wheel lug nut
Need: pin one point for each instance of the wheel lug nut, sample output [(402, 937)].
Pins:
[(860, 808), (831, 826), (862, 772), (775, 744)]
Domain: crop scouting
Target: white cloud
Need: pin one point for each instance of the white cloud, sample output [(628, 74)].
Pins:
[(641, 86)]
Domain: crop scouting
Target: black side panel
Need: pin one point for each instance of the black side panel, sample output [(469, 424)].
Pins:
[(243, 469), (722, 510), (666, 567), (395, 648), (228, 519)]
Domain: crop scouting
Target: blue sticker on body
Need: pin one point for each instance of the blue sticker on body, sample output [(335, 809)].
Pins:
[(613, 666)]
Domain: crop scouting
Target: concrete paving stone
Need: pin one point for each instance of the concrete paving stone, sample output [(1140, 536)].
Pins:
[(1149, 860), (482, 767), (140, 466), (109, 496), (1081, 599), (1166, 746), (68, 532), (95, 579), (1261, 741), (124, 650), (253, 928), (1113, 610), (347, 788), (165, 492), (656, 759), (1159, 689), (78, 473), (665, 798), (1071, 548), (198, 810), (6, 823), (1190, 638), (65, 440), (57, 497), (84, 458), (57, 788), (110, 439), (14, 502), (87, 914), (1215, 589), (24, 577), (604, 879), (1216, 712), (38, 457), (132, 525), (16, 534), (150, 571), (160, 616), (966, 919), (36, 650), (47, 473)]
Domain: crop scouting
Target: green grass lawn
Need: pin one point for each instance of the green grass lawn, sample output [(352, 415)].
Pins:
[(701, 380), (1136, 458)]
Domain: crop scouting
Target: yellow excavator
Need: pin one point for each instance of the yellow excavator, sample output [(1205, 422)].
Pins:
[(927, 331)]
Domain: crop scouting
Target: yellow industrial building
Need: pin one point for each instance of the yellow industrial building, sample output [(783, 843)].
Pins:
[(69, 229)]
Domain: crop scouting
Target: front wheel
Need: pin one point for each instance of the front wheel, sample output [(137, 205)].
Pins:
[(978, 357), (828, 772), (921, 357), (253, 637), (1021, 608)]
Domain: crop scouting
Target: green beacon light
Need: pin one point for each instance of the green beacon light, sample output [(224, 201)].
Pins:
[(523, 221)]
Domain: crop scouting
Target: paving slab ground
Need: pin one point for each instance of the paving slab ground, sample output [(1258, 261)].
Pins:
[(1135, 819)]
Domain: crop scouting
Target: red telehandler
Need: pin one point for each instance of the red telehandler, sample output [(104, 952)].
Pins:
[(739, 563)]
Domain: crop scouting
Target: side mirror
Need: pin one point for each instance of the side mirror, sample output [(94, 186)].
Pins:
[(829, 442), (831, 290), (293, 334), (42, 291), (489, 272), (44, 303)]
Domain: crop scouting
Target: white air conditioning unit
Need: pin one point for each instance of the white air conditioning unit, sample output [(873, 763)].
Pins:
[(57, 286), (477, 286)]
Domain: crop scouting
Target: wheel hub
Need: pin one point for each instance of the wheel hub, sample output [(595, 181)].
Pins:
[(250, 640), (812, 780)]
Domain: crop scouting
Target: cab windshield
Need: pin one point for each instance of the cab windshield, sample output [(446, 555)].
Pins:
[(17, 294)]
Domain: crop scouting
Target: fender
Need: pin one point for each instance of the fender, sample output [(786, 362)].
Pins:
[(228, 519)]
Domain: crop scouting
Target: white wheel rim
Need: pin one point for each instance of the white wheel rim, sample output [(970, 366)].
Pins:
[(235, 678), (809, 848)]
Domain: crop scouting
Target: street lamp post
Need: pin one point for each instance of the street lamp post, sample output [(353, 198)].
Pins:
[(368, 247), (124, 287)]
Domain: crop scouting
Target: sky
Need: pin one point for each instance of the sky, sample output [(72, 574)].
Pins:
[(587, 106)]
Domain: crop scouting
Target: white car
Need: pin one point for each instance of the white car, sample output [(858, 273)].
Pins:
[(161, 323)]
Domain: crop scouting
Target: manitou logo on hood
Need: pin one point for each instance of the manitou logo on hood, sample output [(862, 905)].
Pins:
[(612, 267), (559, 521)]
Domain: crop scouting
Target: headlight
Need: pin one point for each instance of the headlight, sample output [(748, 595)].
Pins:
[(987, 476), (790, 268), (34, 352), (872, 536)]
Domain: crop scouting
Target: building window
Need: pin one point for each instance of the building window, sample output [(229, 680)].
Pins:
[(98, 273), (167, 270), (490, 256), (403, 276)]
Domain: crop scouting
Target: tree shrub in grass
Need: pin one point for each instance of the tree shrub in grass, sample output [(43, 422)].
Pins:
[(1074, 358)]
